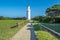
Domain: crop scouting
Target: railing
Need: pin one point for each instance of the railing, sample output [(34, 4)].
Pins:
[(51, 31)]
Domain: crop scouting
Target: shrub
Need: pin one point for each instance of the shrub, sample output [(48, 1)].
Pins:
[(57, 20)]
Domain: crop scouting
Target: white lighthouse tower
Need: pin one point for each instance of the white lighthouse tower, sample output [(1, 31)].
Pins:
[(28, 13)]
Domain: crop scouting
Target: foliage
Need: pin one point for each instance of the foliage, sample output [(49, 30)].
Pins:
[(36, 18), (43, 19), (57, 20), (53, 11), (9, 18), (55, 7), (1, 17), (39, 18)]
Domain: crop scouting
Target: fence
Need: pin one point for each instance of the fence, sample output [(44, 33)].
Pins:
[(51, 31)]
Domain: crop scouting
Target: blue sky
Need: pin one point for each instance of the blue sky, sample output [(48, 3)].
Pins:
[(17, 8)]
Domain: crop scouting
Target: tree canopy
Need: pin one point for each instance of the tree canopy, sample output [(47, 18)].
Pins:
[(55, 7), (9, 18)]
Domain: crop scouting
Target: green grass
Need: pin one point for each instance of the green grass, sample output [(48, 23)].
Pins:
[(5, 28), (55, 27), (43, 34)]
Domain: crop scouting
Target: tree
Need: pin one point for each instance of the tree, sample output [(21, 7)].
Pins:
[(53, 12), (2, 18)]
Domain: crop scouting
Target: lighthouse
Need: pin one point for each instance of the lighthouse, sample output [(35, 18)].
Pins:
[(28, 13)]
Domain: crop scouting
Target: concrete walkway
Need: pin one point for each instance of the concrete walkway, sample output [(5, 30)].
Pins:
[(26, 33)]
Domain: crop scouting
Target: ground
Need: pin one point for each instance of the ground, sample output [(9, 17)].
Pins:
[(26, 33), (9, 31)]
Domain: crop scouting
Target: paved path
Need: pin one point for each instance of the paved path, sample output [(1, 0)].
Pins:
[(26, 33)]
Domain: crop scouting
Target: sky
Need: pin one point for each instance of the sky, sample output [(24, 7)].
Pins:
[(18, 8)]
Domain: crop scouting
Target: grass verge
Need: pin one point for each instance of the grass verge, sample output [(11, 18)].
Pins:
[(5, 28), (43, 34)]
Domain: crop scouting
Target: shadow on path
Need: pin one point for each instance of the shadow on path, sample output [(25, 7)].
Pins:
[(32, 33)]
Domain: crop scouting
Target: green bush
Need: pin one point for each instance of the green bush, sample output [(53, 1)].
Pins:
[(45, 19), (57, 20)]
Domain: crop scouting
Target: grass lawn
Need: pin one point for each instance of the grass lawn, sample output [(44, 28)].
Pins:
[(7, 28), (55, 27), (43, 34)]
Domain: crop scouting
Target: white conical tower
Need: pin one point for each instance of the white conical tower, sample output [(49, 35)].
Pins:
[(28, 13)]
